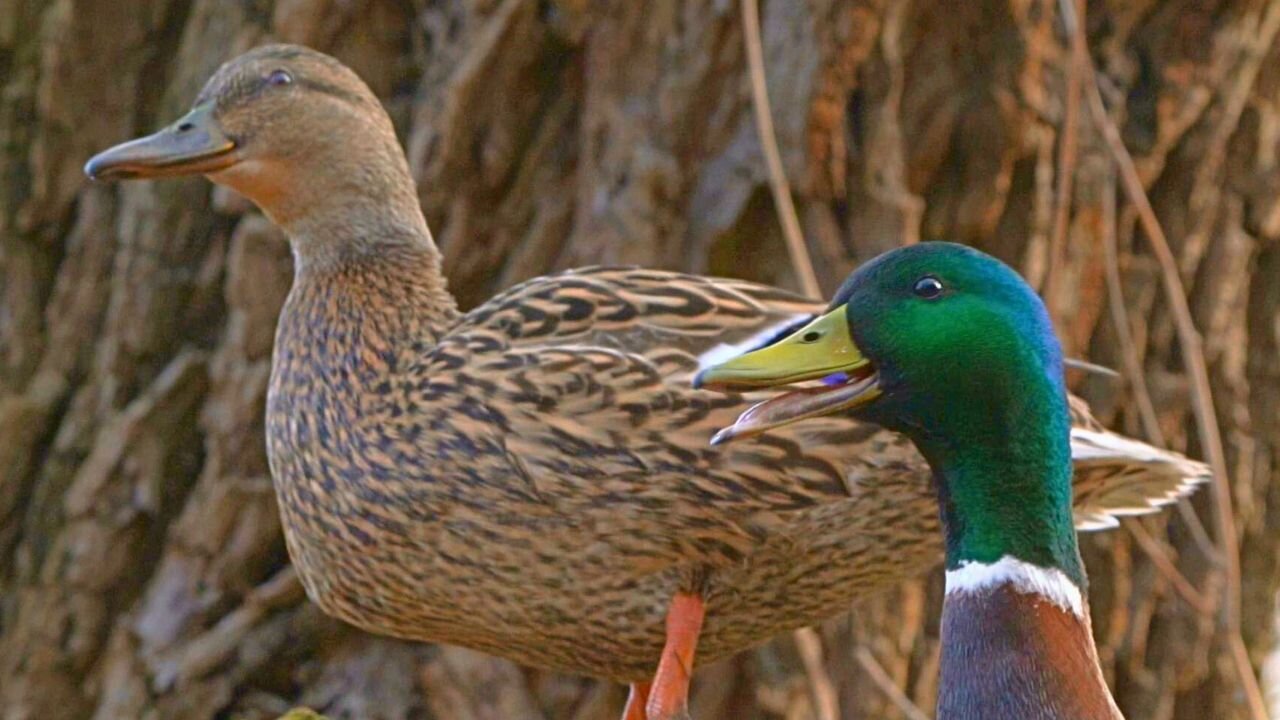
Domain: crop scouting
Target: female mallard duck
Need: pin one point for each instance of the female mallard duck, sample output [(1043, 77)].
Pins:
[(949, 347), (532, 478)]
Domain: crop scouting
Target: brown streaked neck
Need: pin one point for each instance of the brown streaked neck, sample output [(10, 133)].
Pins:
[(1010, 654), (356, 229), (389, 284)]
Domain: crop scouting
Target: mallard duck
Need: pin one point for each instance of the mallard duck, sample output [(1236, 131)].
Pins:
[(949, 347), (532, 478)]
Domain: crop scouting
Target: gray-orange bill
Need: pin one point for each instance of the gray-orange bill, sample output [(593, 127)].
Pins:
[(192, 145)]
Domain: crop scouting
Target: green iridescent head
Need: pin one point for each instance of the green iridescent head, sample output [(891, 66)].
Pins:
[(950, 347)]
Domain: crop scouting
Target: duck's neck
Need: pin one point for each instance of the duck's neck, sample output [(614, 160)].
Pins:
[(375, 276), (1016, 636), (352, 228), (1011, 500)]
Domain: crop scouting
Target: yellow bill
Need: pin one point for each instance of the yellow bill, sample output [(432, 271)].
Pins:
[(823, 350)]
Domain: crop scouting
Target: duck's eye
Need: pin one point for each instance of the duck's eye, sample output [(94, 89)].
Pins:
[(928, 287), (279, 77)]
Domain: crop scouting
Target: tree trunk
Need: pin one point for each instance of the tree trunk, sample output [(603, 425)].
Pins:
[(142, 568)]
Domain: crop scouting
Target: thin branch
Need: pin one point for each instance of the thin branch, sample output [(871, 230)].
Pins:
[(1202, 393), (1120, 319), (796, 247), (1067, 152), (1235, 96), (1166, 566), (826, 701), (886, 684), (1133, 366), (1088, 367)]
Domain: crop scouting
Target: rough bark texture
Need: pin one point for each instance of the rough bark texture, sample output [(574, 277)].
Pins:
[(142, 569)]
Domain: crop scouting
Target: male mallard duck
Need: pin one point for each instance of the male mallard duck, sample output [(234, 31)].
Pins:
[(949, 347), (532, 478)]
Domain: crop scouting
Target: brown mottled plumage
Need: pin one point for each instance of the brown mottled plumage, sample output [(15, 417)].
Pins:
[(533, 478)]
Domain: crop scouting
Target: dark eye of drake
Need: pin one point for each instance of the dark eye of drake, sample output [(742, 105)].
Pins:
[(928, 287), (279, 77)]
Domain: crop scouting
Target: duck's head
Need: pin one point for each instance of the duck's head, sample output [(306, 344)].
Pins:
[(939, 341), (292, 129)]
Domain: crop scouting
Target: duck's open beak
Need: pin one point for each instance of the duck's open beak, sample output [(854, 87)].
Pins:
[(822, 350), (192, 145)]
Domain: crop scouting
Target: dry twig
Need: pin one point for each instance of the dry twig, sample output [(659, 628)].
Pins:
[(1132, 364), (1066, 169), (825, 700), (1120, 319), (1201, 203), (1193, 356), (872, 667), (1169, 569), (796, 247)]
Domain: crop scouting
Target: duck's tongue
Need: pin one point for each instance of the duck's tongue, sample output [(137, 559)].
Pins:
[(838, 392)]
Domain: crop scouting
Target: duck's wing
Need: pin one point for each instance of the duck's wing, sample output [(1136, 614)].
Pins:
[(1116, 476), (590, 372), (585, 380), (639, 310)]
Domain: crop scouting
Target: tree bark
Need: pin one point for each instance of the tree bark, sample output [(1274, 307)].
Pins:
[(142, 569)]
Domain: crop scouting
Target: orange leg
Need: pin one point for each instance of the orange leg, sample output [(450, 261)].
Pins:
[(669, 696), (636, 702)]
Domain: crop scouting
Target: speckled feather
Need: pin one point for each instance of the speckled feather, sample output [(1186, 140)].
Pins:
[(533, 478)]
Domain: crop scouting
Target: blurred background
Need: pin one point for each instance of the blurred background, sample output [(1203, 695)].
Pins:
[(142, 568)]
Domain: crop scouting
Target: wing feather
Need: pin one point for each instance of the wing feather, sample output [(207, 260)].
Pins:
[(589, 372)]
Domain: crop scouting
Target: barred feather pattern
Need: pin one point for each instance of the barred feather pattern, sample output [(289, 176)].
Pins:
[(533, 478)]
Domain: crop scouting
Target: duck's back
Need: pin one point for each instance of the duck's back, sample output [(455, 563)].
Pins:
[(534, 478)]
